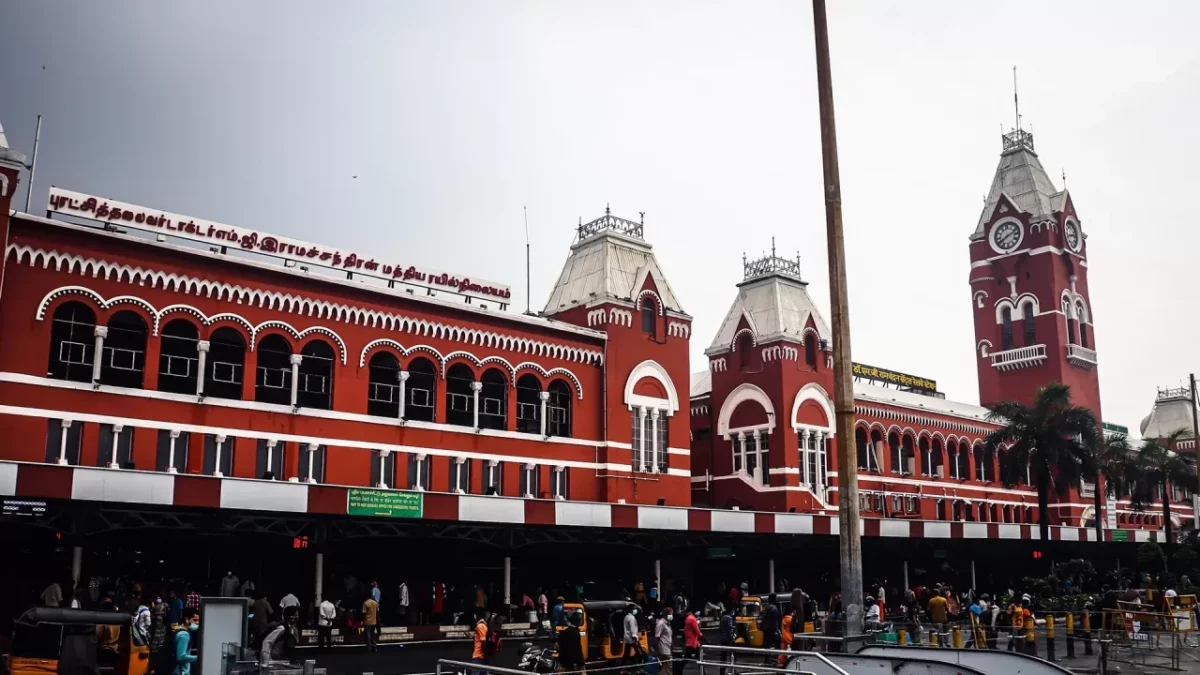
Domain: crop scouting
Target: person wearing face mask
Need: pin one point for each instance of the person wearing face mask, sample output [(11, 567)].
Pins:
[(183, 642), (632, 640)]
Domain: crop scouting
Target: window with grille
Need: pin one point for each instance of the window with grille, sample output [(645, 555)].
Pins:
[(418, 472), (383, 469), (314, 458), (460, 480), (269, 460), (529, 404), (636, 439), (124, 356), (493, 477), (315, 385), (1006, 331), (493, 399), (558, 482), (649, 308), (273, 377), (226, 362), (55, 447), (383, 385), (558, 407), (179, 357), (117, 450), (460, 396), (420, 390), (164, 458), (72, 341), (211, 463), (1030, 325), (529, 480), (663, 428)]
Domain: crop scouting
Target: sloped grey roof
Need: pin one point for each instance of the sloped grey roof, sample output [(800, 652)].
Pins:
[(775, 306), (3, 138), (1170, 414), (1021, 178), (608, 266), (701, 383), (7, 154)]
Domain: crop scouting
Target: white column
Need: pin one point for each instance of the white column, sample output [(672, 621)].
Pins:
[(319, 585), (76, 564), (476, 387), (403, 377), (544, 396), (641, 415), (296, 359), (116, 443), (174, 433), (383, 457), (217, 460), (741, 450), (201, 361), (62, 444), (770, 576), (459, 468), (507, 584), (101, 332), (652, 446), (758, 457), (658, 576), (804, 480), (271, 454), (312, 453), (418, 479)]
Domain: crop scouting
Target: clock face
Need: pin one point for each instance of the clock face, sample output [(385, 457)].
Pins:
[(1006, 236), (1072, 234)]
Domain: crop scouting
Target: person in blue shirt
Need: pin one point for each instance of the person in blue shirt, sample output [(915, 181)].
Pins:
[(557, 615), (183, 642), (174, 608)]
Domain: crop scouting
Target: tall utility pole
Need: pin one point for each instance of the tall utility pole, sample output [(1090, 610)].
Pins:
[(1196, 453), (849, 541)]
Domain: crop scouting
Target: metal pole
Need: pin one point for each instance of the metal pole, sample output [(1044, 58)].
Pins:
[(507, 584), (658, 576), (906, 586), (770, 576), (974, 586), (1196, 440), (850, 543), (76, 565), (37, 136), (320, 581)]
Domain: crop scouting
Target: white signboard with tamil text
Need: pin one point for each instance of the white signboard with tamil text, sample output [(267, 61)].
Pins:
[(107, 210)]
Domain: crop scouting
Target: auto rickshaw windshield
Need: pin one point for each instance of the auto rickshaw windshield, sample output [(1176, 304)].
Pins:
[(749, 609)]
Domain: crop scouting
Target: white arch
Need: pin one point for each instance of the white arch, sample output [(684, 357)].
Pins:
[(814, 392), (362, 358), (653, 370), (1000, 305), (738, 335), (744, 392), (1027, 298), (657, 300), (67, 290), (327, 332)]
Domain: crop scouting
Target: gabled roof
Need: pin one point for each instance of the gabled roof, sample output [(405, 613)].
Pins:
[(609, 265), (701, 384), (8, 155), (1021, 178), (774, 306)]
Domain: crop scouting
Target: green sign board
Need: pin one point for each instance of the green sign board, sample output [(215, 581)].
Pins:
[(1120, 535), (714, 553), (385, 503), (1115, 428)]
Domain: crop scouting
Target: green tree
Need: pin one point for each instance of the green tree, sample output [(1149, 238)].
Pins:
[(1160, 466), (1116, 467), (1053, 436)]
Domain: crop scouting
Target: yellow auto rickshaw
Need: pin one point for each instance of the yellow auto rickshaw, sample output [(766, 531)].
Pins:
[(601, 629), (746, 615), (54, 640)]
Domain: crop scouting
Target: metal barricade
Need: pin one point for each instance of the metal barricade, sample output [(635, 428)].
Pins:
[(727, 661)]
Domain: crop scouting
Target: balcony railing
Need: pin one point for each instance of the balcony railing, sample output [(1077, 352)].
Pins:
[(1021, 357), (1081, 356)]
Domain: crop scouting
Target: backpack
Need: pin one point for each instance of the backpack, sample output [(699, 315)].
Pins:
[(166, 659), (491, 644)]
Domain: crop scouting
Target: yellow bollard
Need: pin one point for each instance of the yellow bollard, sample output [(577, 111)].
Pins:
[(1030, 637), (809, 627), (1071, 624), (1049, 627), (933, 636), (1087, 621), (902, 637), (957, 637)]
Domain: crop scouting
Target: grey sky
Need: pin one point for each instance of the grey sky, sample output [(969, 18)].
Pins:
[(702, 114)]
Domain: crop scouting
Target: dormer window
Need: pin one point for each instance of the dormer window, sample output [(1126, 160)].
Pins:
[(648, 319), (743, 351), (810, 351)]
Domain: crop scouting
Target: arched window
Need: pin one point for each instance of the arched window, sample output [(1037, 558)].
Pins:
[(926, 456), (984, 466), (226, 364), (937, 468), (860, 442), (649, 320), (810, 350), (1071, 330), (940, 509), (1006, 330), (383, 387), (316, 376), (964, 461), (894, 453), (559, 410), (124, 359), (743, 350), (1030, 325), (493, 400), (460, 395), (907, 458), (273, 381), (420, 391), (72, 343), (529, 404), (178, 363), (874, 451), (1081, 314)]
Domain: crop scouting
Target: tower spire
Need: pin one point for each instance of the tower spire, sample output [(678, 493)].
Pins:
[(1016, 101)]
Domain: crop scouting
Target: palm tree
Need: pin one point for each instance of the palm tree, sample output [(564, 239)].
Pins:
[(1159, 465), (1117, 467), (1055, 438)]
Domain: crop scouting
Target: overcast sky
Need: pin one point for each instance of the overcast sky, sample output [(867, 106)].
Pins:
[(702, 114)]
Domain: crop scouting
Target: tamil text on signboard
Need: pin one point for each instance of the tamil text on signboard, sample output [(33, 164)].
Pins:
[(384, 503), (297, 252)]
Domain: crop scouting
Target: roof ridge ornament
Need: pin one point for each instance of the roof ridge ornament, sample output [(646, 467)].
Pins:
[(771, 264), (611, 223)]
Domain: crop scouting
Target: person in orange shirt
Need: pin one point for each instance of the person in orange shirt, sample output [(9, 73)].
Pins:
[(481, 630), (786, 641)]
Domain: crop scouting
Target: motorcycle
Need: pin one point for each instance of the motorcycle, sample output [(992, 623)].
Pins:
[(536, 659)]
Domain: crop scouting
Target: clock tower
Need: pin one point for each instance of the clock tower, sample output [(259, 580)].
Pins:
[(1029, 285)]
